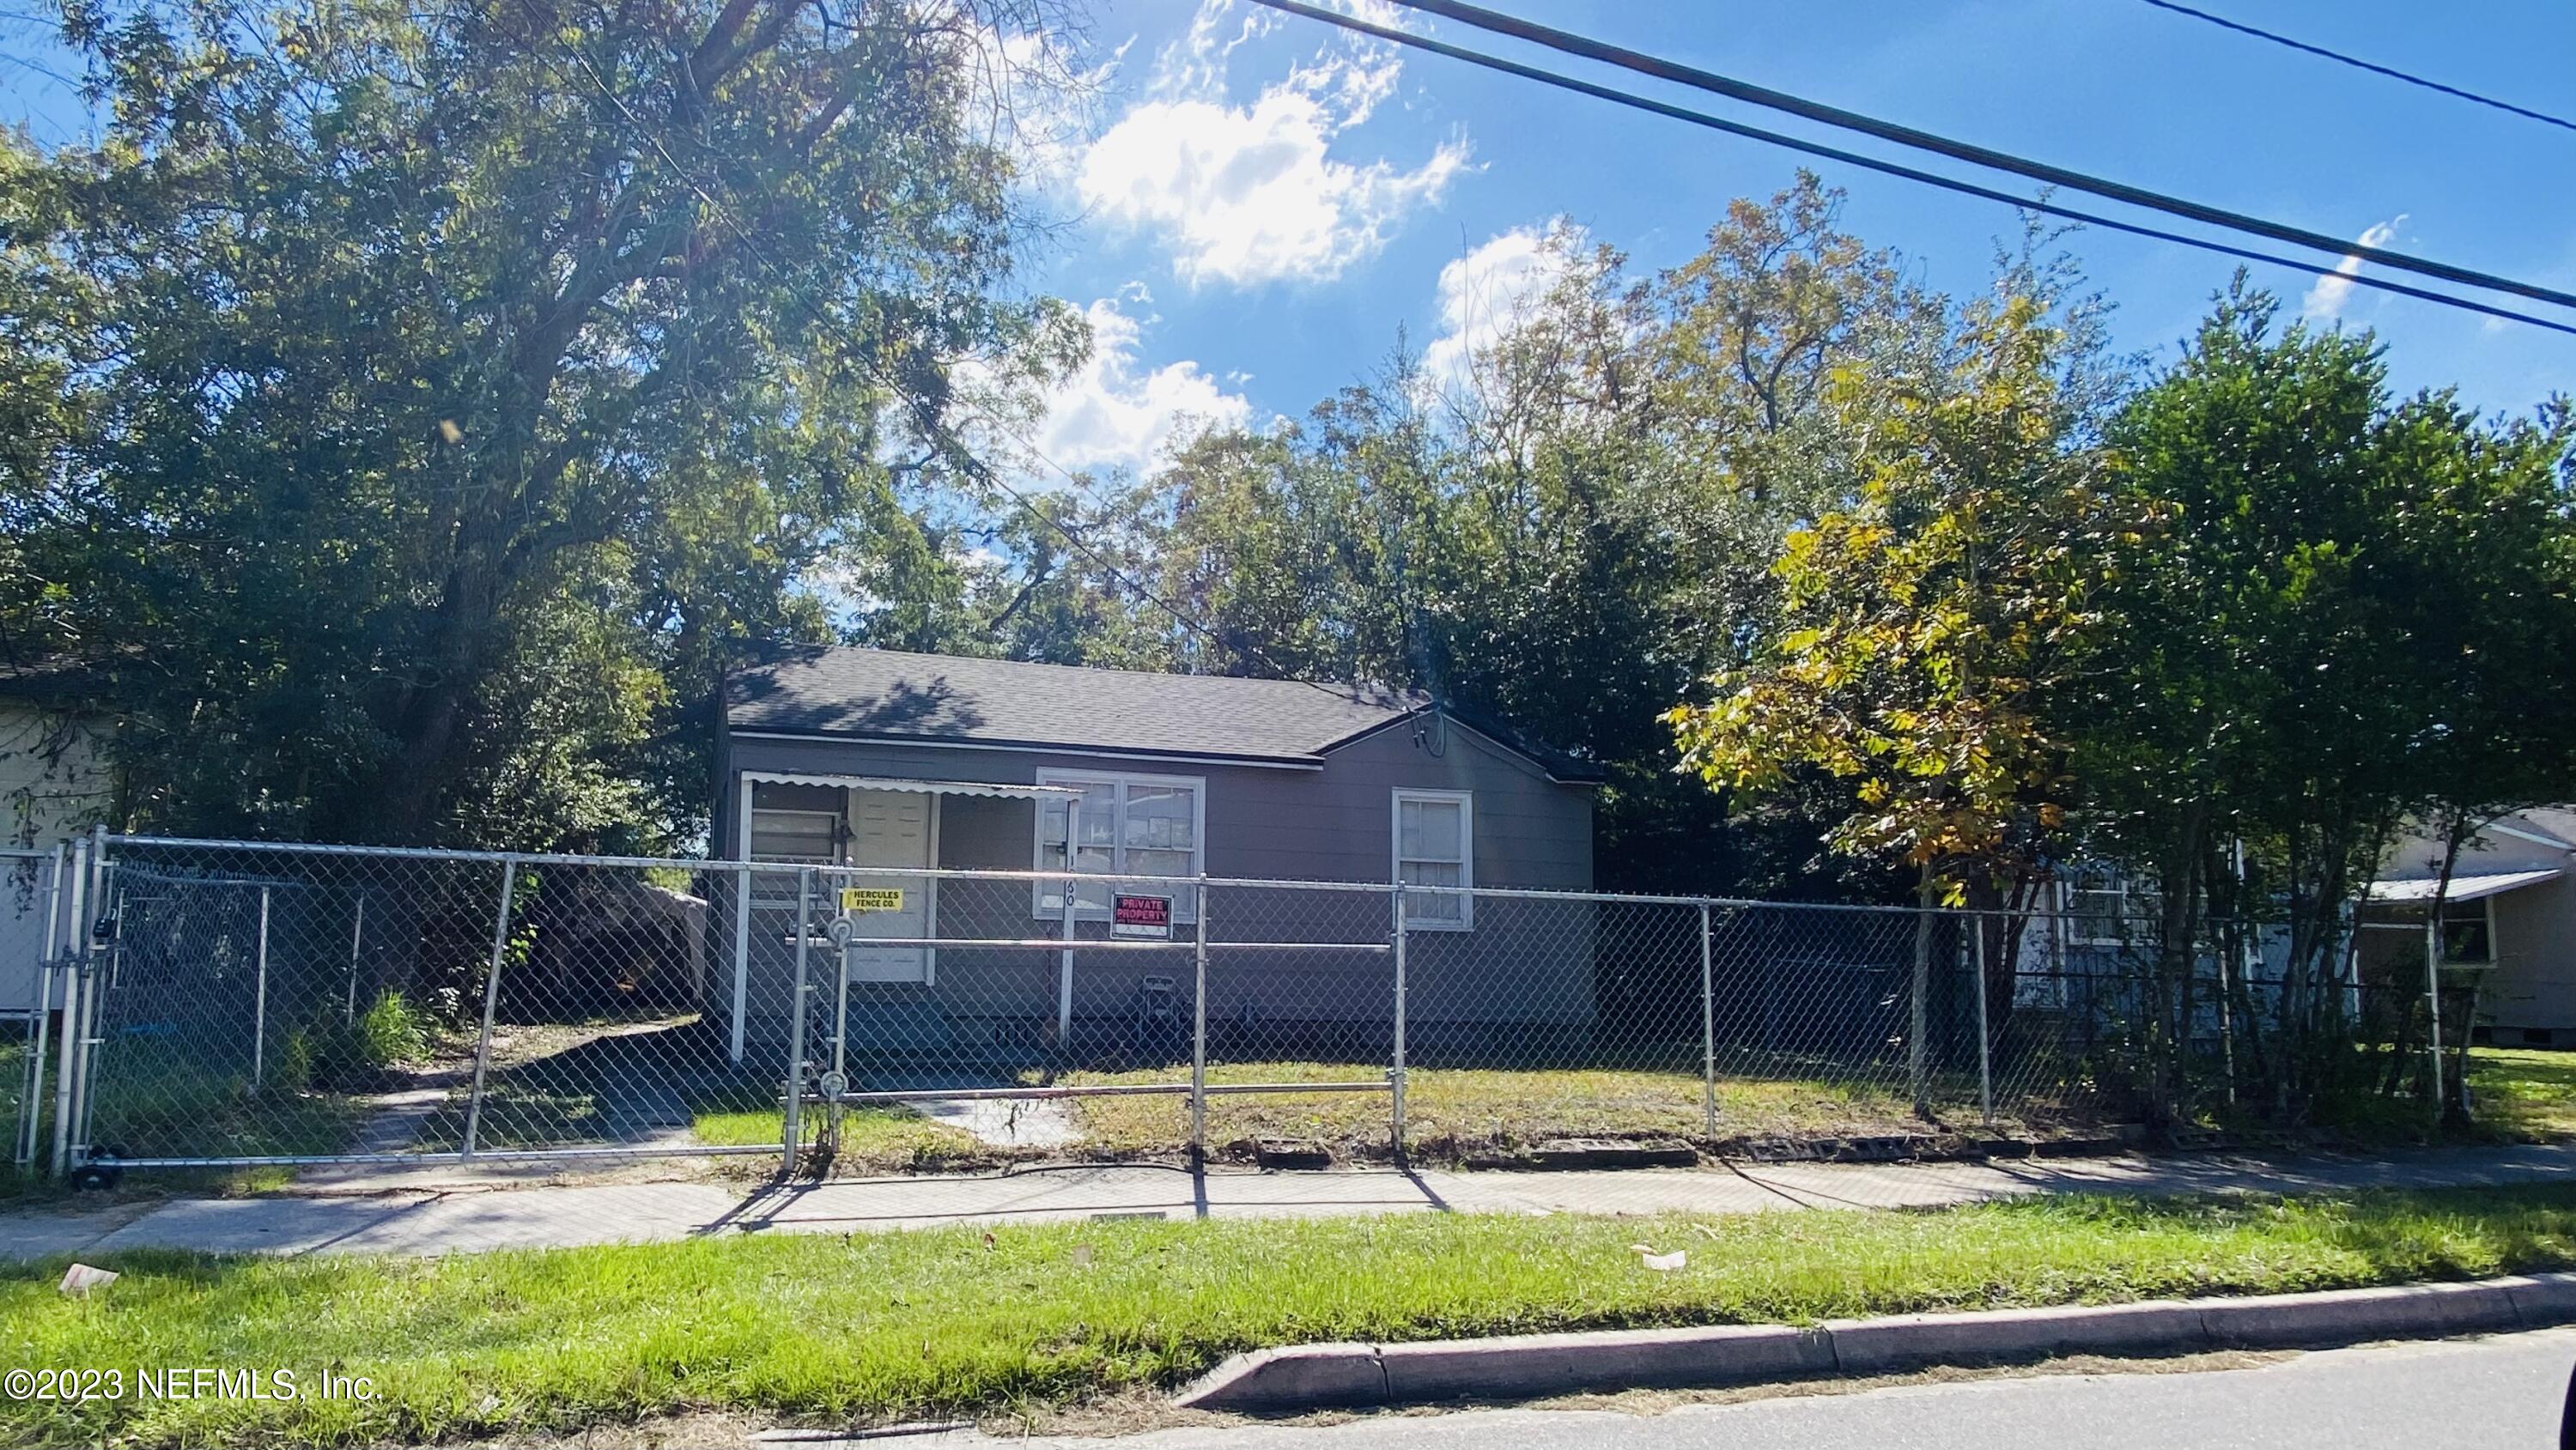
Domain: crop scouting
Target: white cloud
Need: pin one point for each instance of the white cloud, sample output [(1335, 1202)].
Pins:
[(1119, 413), (1255, 193), (2326, 299), (1484, 292)]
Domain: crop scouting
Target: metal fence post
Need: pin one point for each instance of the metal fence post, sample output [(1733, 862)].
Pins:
[(840, 1015), (31, 1094), (1985, 1035), (67, 1068), (1395, 1070), (259, 1002), (1198, 1033), (87, 919), (1707, 1022), (1064, 965), (1919, 1012), (357, 934), (31, 1101), (2433, 1001), (741, 947), (491, 1004), (792, 1131)]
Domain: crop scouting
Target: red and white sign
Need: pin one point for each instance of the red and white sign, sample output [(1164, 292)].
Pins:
[(1141, 916)]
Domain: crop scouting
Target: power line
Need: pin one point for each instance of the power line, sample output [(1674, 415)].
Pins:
[(2039, 204), (924, 415), (2374, 68), (2057, 176)]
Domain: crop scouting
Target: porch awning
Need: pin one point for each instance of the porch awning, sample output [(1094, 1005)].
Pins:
[(2463, 888), (1005, 789)]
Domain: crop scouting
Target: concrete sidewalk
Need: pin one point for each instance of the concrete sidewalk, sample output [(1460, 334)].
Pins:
[(460, 1220)]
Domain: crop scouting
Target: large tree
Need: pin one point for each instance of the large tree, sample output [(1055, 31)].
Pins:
[(435, 390)]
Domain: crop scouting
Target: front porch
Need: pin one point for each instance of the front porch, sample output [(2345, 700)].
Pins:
[(921, 975)]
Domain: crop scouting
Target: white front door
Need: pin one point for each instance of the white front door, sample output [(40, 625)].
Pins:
[(890, 828)]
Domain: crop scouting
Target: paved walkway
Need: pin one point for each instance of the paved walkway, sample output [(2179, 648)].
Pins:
[(466, 1219)]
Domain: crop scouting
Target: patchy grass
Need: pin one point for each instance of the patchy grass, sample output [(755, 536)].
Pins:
[(158, 1097), (2524, 1093), (873, 1139), (2519, 1094), (1455, 1113), (848, 1330), (14, 1047)]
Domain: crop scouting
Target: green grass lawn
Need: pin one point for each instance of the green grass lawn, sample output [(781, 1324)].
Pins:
[(2521, 1095), (873, 1139), (155, 1098), (2524, 1093), (845, 1330), (1455, 1113)]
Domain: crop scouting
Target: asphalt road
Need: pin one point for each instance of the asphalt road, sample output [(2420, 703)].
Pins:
[(2496, 1394)]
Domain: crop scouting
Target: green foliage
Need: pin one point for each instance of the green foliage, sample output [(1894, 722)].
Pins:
[(357, 1053), (2350, 625), (409, 407), (392, 1032), (1931, 629)]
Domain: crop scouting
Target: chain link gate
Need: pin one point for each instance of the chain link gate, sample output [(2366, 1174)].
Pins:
[(32, 928), (341, 1010), (991, 999)]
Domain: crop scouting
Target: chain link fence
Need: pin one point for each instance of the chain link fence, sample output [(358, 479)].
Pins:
[(32, 918), (339, 1009)]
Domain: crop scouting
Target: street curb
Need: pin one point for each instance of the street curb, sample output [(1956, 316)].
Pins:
[(1322, 1376)]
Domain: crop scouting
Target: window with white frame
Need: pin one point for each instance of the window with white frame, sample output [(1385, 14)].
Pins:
[(1435, 840), (801, 838), (2106, 906), (2468, 932), (1128, 825)]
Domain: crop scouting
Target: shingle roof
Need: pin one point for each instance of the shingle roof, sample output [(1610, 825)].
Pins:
[(890, 695)]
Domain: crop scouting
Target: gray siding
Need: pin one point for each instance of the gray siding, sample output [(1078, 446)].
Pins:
[(1525, 966)]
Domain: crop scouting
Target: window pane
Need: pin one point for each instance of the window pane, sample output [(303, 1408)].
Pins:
[(2464, 932), (1099, 819), (1158, 863), (1432, 873), (1127, 828), (1425, 906), (1430, 829), (1185, 905), (799, 836), (1160, 818)]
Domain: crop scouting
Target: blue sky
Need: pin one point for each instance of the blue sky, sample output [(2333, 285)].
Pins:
[(1255, 205), (1228, 299)]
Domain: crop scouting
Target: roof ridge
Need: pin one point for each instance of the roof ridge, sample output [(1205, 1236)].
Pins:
[(1357, 691)]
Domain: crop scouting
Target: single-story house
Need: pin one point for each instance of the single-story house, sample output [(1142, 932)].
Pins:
[(2510, 912), (886, 761)]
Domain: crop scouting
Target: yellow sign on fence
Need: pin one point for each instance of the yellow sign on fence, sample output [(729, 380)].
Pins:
[(870, 898)]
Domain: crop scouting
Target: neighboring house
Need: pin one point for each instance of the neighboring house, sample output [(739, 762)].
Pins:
[(53, 784), (2510, 910), (877, 759), (2509, 913)]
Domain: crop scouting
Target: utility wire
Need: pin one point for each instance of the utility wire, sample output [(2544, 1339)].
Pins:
[(2039, 204), (2057, 176), (924, 416), (2358, 63)]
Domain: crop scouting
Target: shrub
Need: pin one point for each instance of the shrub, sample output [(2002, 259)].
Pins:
[(392, 1031)]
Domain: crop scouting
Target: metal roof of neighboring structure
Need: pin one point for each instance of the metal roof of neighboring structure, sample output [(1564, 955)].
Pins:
[(2463, 888)]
